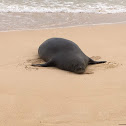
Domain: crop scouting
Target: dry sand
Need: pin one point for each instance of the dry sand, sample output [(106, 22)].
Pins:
[(52, 97)]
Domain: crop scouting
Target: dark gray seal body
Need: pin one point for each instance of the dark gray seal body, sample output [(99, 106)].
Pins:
[(64, 54)]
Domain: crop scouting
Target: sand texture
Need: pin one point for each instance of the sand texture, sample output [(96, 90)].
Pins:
[(52, 97)]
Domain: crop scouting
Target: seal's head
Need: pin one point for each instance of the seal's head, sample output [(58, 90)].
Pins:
[(78, 68), (76, 65)]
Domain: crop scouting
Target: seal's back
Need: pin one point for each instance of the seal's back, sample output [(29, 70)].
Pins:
[(54, 46)]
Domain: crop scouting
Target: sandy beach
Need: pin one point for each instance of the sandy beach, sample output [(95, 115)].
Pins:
[(52, 97)]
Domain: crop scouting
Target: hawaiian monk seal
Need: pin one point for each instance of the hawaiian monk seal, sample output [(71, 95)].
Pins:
[(65, 55)]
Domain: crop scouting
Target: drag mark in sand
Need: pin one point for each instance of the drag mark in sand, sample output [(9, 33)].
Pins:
[(90, 68)]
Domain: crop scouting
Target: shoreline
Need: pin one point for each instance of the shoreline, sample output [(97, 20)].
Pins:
[(34, 21), (124, 22)]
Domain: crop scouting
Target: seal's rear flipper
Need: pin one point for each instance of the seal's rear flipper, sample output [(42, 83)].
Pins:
[(95, 62)]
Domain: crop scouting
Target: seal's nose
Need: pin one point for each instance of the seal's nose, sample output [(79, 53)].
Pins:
[(80, 67)]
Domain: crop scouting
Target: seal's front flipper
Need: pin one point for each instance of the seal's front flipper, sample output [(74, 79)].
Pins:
[(38, 65), (47, 64), (95, 62)]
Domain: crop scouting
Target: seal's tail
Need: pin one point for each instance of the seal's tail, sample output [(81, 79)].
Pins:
[(95, 62)]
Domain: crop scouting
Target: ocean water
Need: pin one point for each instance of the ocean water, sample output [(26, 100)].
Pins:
[(37, 14)]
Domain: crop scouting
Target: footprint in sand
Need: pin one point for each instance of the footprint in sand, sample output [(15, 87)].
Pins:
[(33, 61), (27, 64)]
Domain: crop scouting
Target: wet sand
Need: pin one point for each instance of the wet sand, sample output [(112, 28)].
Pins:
[(36, 21), (48, 96)]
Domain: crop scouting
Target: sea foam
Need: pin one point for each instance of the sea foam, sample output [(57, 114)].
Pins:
[(67, 7)]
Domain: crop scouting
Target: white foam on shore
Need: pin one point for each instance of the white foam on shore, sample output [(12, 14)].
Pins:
[(102, 8)]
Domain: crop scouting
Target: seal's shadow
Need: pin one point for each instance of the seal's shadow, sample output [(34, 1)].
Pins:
[(89, 70)]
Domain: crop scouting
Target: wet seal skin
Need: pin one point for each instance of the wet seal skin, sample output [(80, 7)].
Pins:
[(64, 54)]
